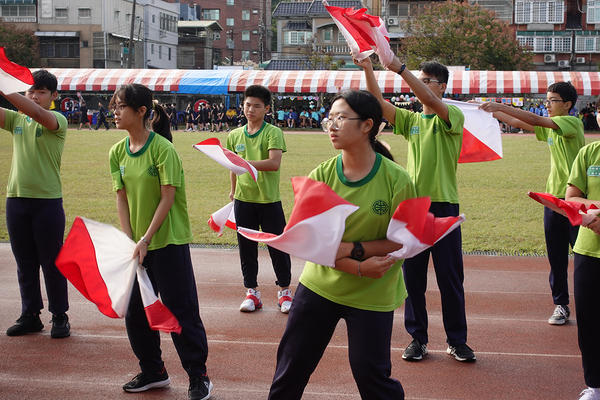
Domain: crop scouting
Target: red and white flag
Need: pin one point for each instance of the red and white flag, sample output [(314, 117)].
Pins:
[(365, 34), (417, 229), (97, 259), (316, 226), (212, 147), (577, 213), (482, 139), (13, 77), (225, 217)]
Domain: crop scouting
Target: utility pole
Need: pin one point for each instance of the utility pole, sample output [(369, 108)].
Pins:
[(130, 55), (230, 44)]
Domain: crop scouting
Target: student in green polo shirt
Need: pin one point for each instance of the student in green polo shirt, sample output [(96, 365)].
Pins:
[(584, 187), (257, 204), (564, 135), (35, 217), (147, 175), (434, 142), (365, 286)]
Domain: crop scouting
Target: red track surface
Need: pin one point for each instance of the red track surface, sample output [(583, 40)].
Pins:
[(519, 356)]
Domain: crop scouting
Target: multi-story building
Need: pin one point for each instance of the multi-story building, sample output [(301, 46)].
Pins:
[(195, 48), (95, 33)]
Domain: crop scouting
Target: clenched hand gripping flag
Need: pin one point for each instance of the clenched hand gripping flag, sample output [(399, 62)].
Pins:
[(13, 77), (96, 259), (416, 228), (577, 213), (212, 147), (316, 226), (365, 34)]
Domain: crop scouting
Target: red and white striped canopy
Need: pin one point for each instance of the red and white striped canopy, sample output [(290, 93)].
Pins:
[(231, 81)]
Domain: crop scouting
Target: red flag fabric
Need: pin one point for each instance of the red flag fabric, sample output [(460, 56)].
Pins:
[(96, 259), (222, 218), (417, 229), (482, 139), (577, 213), (316, 226), (212, 147), (365, 34), (13, 77)]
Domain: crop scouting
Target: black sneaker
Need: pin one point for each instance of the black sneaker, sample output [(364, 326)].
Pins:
[(462, 353), (60, 326), (144, 381), (200, 387), (415, 351), (25, 324)]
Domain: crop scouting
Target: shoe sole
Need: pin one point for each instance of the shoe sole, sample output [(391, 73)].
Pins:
[(557, 322), (153, 385), (457, 358), (242, 309), (210, 387)]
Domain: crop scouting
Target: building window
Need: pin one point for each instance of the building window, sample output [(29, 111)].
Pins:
[(85, 44), (539, 12), (245, 55), (546, 41), (587, 42), (216, 35), (168, 22), (153, 19), (187, 58), (593, 12), (17, 11), (211, 14), (169, 54), (85, 13), (255, 32), (59, 48), (152, 48), (245, 15), (127, 18), (341, 38), (160, 52), (230, 22), (116, 15), (245, 35), (296, 37), (231, 2), (328, 35), (61, 13)]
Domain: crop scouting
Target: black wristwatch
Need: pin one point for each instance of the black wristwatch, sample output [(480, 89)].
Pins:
[(358, 252)]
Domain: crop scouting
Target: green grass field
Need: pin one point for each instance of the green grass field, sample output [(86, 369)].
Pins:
[(493, 195)]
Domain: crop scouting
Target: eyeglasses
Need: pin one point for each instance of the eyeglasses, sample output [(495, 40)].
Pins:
[(336, 123), (551, 101), (118, 107), (427, 80)]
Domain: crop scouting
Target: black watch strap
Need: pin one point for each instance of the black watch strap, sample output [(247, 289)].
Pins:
[(358, 252)]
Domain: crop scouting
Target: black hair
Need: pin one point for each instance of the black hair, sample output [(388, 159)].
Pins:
[(259, 92), (137, 96), (434, 68), (566, 91), (597, 103), (43, 79), (367, 107)]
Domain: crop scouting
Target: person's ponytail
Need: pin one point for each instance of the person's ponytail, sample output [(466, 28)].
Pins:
[(160, 122)]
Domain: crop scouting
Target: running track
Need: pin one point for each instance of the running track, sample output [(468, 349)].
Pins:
[(519, 356)]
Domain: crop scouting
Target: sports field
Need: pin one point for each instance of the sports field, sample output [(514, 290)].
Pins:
[(493, 195)]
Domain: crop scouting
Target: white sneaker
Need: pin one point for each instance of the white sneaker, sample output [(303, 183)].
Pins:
[(590, 394), (252, 301), (285, 300), (560, 316)]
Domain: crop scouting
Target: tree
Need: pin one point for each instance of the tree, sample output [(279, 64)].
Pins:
[(318, 56), (457, 33), (20, 45)]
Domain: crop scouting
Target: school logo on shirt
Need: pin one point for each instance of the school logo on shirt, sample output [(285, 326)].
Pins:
[(550, 142), (122, 170), (152, 170), (380, 207), (593, 170), (38, 131), (240, 147), (18, 130), (414, 130)]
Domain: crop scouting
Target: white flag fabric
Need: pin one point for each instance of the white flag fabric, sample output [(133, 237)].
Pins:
[(97, 259), (212, 147), (482, 138), (13, 77), (417, 229), (577, 213), (365, 34), (225, 217), (316, 226)]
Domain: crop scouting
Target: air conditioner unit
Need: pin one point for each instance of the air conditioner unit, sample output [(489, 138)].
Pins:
[(393, 21), (580, 60), (549, 58), (563, 63)]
